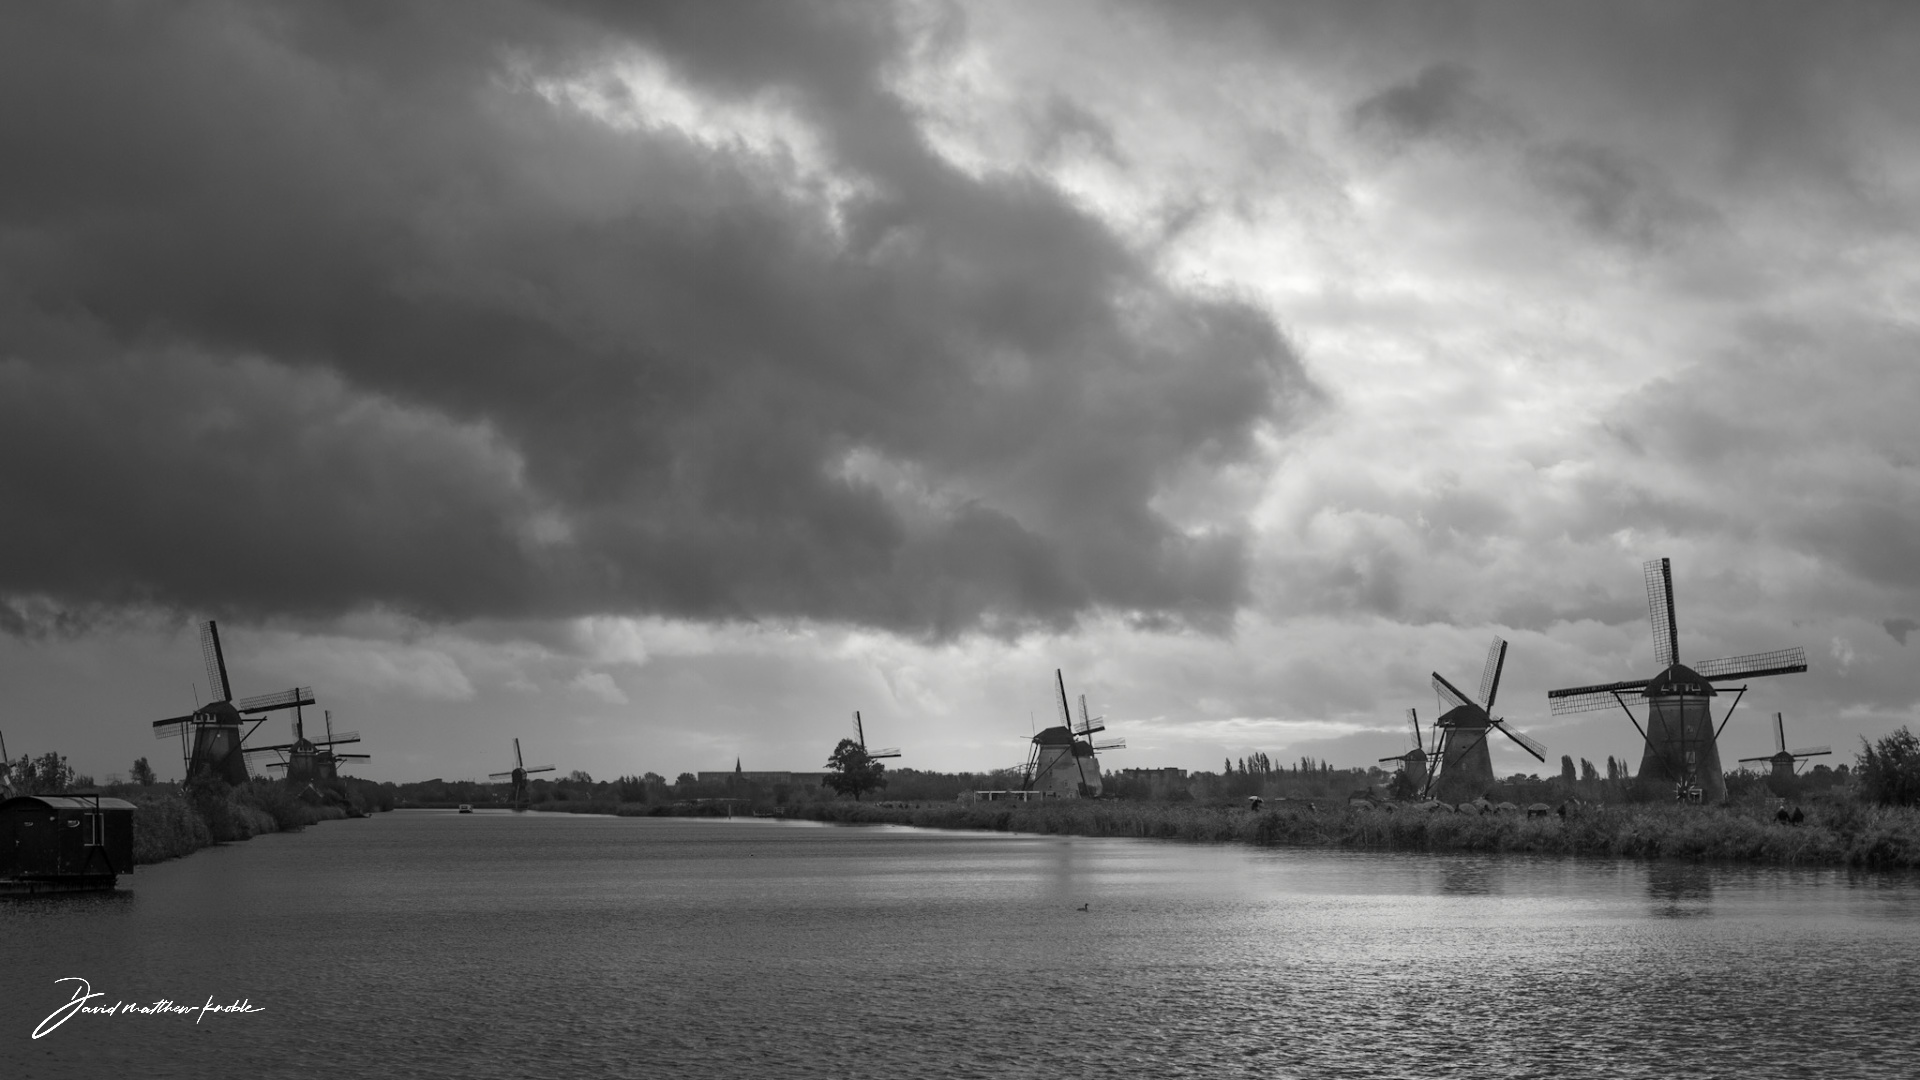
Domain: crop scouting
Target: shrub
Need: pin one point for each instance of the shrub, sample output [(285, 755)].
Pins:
[(1889, 771)]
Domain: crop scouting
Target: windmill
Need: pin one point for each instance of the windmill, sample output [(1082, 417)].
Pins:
[(520, 796), (1462, 766), (1786, 762), (860, 736), (1414, 761), (1682, 745), (309, 760), (1061, 759), (210, 735)]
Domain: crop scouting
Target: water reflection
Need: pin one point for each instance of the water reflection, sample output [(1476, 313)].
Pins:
[(1680, 890), (1467, 877)]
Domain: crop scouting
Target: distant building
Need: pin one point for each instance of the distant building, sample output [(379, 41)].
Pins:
[(1168, 773)]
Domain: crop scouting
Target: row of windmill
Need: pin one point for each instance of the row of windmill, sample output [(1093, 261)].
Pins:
[(1679, 739)]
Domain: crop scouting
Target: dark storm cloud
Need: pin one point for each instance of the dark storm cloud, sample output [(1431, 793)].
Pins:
[(1898, 629), (313, 309), (1437, 103)]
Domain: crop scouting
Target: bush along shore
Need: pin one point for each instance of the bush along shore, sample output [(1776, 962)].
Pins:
[(170, 821)]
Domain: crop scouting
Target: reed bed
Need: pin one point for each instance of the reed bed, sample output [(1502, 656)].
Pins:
[(1843, 834)]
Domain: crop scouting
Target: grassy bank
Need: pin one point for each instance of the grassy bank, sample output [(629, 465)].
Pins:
[(169, 822), (1845, 834)]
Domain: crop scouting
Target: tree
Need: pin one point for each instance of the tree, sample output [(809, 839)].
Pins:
[(1587, 771), (1890, 769), (1566, 768), (853, 771), (142, 772), (579, 776)]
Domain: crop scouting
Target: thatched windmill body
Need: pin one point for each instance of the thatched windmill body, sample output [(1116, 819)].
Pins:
[(1061, 760), (521, 794), (1682, 743), (1414, 761), (1462, 765), (211, 736), (307, 760), (1786, 762)]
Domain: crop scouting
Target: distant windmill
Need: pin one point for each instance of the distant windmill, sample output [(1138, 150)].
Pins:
[(307, 760), (1682, 745), (860, 736), (1462, 766), (520, 795), (1414, 761), (1786, 762), (1061, 760), (211, 734)]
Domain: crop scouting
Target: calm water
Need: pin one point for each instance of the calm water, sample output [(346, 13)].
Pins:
[(435, 944)]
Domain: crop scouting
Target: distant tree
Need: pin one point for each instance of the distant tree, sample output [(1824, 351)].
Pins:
[(1613, 768), (1587, 771), (1889, 770), (142, 772), (579, 776), (684, 779), (51, 774), (1402, 786), (853, 772), (1566, 768)]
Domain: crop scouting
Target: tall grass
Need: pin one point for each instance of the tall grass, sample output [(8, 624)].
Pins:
[(1839, 834)]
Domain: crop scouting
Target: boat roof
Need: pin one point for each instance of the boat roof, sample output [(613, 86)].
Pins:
[(65, 802)]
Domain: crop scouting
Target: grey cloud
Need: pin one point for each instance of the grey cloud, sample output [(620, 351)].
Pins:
[(478, 356), (1438, 103), (1898, 629)]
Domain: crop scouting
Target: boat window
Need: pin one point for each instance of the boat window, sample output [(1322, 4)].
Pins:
[(92, 838)]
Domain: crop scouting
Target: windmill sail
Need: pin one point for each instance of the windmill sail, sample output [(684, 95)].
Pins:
[(1755, 665), (1659, 575), (1490, 677)]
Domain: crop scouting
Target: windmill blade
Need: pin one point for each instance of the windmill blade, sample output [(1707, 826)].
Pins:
[(1454, 698), (278, 699), (891, 751), (1490, 675), (352, 757), (1779, 733), (338, 740), (1528, 743), (1659, 575), (1414, 719), (543, 768), (508, 775), (1811, 751), (167, 729), (518, 761), (1088, 725), (1111, 744), (1066, 714), (1744, 760), (859, 731), (1755, 665), (1575, 699), (216, 661)]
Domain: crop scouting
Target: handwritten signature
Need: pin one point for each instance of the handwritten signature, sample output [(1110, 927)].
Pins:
[(84, 993)]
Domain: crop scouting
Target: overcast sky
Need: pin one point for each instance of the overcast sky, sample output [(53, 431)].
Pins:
[(660, 383)]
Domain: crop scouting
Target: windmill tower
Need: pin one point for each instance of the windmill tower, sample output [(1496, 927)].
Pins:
[(1682, 745), (860, 736), (1414, 761), (1786, 762), (309, 761), (1061, 759), (520, 796), (1462, 767), (210, 735)]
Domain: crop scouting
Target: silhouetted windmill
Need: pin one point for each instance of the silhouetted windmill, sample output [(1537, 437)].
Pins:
[(520, 796), (309, 760), (1786, 762), (1061, 760), (1462, 766), (1414, 761), (1682, 745), (860, 736), (212, 738)]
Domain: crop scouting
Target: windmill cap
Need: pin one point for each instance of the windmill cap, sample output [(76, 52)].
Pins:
[(1464, 716), (1679, 679), (1054, 736)]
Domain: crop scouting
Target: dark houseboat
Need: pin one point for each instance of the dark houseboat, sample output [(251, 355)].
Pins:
[(64, 843)]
